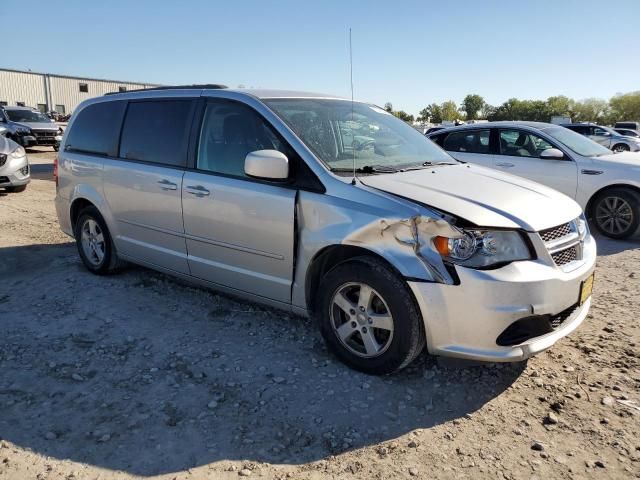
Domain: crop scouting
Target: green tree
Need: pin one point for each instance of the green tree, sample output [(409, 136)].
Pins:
[(559, 105), (402, 115), (625, 107), (449, 111), (591, 110), (472, 105), (431, 113), (388, 107)]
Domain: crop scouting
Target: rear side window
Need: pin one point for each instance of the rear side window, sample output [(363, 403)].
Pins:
[(157, 131), (96, 129), (470, 141)]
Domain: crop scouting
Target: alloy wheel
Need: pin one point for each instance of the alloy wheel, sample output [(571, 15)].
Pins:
[(361, 319), (614, 215), (92, 240)]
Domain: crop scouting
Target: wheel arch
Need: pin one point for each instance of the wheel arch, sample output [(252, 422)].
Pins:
[(331, 256), (589, 206)]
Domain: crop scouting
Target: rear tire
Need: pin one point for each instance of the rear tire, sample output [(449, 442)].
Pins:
[(620, 147), (94, 243), (18, 189), (616, 212), (368, 316)]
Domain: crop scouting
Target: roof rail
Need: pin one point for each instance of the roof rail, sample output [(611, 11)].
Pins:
[(175, 87)]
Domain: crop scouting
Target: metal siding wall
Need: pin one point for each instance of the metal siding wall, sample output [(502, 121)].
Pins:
[(66, 91), (22, 87)]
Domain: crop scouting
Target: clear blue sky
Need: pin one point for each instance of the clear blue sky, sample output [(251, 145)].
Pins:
[(410, 53)]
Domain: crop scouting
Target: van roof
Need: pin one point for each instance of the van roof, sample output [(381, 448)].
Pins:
[(259, 93)]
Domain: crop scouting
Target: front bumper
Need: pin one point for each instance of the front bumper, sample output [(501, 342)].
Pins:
[(15, 172), (466, 320)]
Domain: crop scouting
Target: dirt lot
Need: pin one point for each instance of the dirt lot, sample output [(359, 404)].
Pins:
[(137, 375)]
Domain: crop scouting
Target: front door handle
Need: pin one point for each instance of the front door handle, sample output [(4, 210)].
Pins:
[(167, 185), (197, 190), (505, 164)]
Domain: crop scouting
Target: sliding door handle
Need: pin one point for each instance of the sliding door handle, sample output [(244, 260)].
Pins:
[(167, 185)]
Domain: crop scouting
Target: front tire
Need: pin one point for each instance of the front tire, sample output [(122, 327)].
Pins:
[(368, 316), (616, 212), (94, 243)]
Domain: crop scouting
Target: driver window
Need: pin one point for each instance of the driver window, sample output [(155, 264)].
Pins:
[(517, 143), (598, 131), (230, 131)]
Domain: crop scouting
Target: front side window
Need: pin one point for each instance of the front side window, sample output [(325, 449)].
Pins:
[(598, 131), (340, 133), (96, 129), (518, 143), (470, 141), (230, 131), (157, 131)]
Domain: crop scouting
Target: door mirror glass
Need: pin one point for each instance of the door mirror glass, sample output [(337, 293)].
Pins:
[(552, 154), (267, 164)]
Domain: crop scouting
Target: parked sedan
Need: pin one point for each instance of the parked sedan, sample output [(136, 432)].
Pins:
[(628, 133), (605, 136), (606, 185), (14, 166)]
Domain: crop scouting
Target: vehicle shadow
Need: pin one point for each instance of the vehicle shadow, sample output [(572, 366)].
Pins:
[(609, 246), (140, 373)]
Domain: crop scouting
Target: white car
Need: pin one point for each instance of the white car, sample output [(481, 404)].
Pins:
[(14, 165), (606, 185)]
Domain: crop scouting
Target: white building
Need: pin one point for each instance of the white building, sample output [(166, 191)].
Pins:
[(49, 91)]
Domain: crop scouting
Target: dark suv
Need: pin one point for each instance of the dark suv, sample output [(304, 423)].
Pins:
[(29, 127)]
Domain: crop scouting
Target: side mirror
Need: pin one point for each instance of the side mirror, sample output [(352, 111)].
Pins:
[(552, 154), (267, 164)]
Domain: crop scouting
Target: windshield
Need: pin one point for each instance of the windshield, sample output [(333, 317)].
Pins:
[(576, 142), (336, 131), (26, 116)]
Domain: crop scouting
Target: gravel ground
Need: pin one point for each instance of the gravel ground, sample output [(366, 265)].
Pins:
[(139, 375)]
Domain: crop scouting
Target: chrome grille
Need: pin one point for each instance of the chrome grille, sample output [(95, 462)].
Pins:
[(565, 256), (555, 233)]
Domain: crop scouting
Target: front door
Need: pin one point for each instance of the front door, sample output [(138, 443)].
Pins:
[(239, 231), (519, 154)]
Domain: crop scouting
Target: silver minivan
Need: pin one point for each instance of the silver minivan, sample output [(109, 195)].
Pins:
[(331, 209)]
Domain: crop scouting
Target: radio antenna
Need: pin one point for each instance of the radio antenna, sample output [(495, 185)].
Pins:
[(353, 138)]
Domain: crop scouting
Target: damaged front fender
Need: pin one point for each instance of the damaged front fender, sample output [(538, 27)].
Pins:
[(408, 239), (403, 239)]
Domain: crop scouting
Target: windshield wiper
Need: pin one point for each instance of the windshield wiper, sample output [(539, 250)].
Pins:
[(425, 165), (369, 169)]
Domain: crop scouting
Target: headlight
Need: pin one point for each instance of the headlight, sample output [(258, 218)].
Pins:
[(23, 131), (582, 226), (483, 248), (18, 153)]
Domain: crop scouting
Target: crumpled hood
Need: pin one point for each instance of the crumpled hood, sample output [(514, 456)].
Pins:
[(483, 196), (38, 125)]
